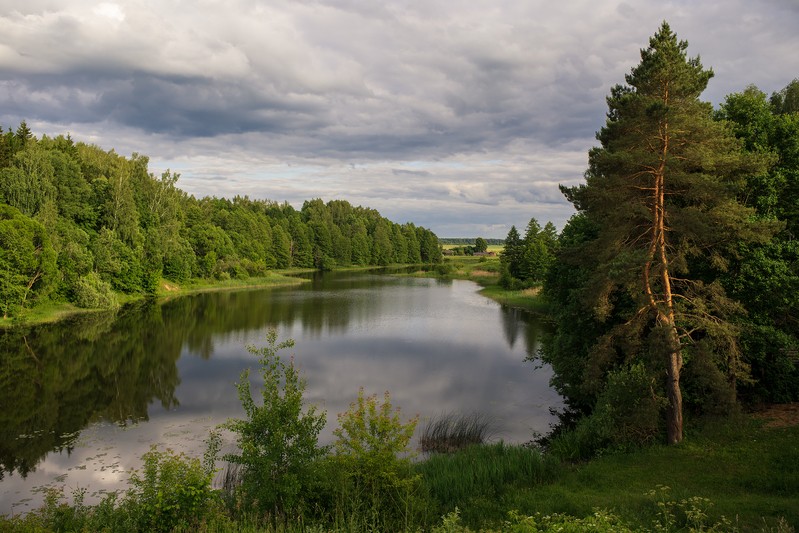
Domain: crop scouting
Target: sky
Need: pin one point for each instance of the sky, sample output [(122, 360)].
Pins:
[(463, 117)]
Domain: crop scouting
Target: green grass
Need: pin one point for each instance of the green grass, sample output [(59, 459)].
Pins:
[(450, 432), (750, 474)]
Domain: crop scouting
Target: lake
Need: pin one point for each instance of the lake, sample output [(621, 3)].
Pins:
[(82, 400)]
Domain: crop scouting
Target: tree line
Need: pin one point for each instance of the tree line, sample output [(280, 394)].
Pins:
[(675, 287), (79, 224)]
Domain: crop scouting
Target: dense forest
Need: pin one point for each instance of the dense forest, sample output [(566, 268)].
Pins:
[(80, 224)]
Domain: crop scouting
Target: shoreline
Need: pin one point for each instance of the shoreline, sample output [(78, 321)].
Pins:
[(470, 270), (52, 312)]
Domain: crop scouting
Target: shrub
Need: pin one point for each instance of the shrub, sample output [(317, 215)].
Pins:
[(170, 491), (91, 292), (626, 415), (378, 486), (277, 440)]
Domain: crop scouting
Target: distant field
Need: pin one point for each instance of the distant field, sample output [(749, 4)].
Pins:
[(491, 247)]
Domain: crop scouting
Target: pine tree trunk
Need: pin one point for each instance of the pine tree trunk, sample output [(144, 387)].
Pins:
[(664, 306), (674, 410)]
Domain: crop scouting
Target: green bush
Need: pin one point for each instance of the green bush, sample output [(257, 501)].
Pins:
[(91, 292), (626, 415), (171, 491), (277, 440), (377, 485)]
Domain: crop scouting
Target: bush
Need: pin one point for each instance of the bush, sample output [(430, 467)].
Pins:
[(378, 486), (91, 292), (626, 415), (277, 440), (171, 491)]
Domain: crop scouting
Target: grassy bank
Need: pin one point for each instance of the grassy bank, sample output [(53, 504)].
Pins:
[(55, 311), (737, 470), (485, 272)]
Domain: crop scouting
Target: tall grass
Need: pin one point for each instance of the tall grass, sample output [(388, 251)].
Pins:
[(482, 471), (450, 432)]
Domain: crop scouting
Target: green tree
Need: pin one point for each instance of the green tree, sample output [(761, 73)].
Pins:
[(786, 101), (480, 245), (281, 247), (277, 439), (361, 251), (766, 276), (661, 191), (27, 260), (372, 453), (29, 183), (510, 258)]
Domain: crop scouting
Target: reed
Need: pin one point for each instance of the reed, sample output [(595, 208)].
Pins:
[(450, 432), (484, 472)]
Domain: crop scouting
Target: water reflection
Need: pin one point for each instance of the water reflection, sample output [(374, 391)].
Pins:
[(56, 380), (164, 373)]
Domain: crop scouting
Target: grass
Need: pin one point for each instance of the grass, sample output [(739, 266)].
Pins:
[(749, 474), (480, 477), (450, 432)]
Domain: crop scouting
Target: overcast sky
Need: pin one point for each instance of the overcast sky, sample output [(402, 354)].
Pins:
[(459, 116)]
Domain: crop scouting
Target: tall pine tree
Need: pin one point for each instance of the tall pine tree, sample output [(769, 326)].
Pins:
[(660, 188)]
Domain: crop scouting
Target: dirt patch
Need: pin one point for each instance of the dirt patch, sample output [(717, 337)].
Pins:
[(170, 288), (484, 274), (781, 415)]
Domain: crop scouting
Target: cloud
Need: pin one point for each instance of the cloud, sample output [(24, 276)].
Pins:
[(487, 105)]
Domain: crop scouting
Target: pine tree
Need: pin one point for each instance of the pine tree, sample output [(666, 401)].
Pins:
[(661, 190)]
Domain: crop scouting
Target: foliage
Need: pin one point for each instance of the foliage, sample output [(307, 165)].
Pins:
[(108, 214), (766, 276), (626, 415), (526, 261), (277, 439), (92, 292), (378, 487), (171, 491), (514, 488), (660, 224), (27, 261)]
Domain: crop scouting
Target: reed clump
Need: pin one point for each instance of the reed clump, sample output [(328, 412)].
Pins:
[(452, 432)]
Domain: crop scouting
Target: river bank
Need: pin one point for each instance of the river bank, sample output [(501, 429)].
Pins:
[(50, 312), (481, 270), (485, 272)]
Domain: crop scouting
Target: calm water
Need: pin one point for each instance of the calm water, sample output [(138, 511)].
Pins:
[(81, 401)]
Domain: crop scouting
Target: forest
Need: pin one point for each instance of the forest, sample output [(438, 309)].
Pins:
[(81, 224)]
